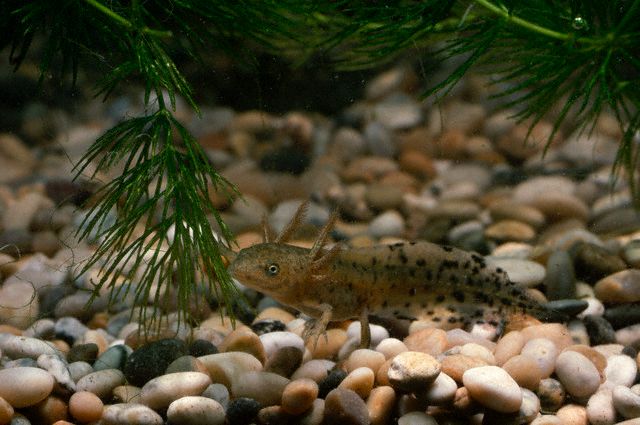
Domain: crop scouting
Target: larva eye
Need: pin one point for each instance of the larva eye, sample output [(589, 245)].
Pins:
[(273, 269)]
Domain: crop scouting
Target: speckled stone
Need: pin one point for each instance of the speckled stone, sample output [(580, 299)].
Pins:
[(551, 394), (194, 410), (101, 383), (130, 414), (242, 411), (265, 387), (560, 280), (380, 404), (151, 360), (600, 409), (85, 406), (577, 373), (298, 396), (413, 371), (159, 392)]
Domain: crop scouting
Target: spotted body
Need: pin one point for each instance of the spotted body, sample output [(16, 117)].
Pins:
[(416, 280)]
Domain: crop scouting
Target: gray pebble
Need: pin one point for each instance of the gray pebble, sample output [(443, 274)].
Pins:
[(560, 280), (16, 347), (345, 407), (58, 368), (70, 329), (101, 383), (219, 393), (113, 358), (79, 369), (626, 402), (599, 329)]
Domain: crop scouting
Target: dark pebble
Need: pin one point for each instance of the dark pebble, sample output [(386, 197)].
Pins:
[(202, 347), (268, 325), (560, 280), (83, 353), (243, 311), (491, 417), (151, 360), (284, 362), (69, 329), (560, 310), (345, 407), (113, 358), (50, 296), (630, 351), (599, 329), (330, 382), (242, 411), (17, 242), (63, 190), (285, 160), (593, 262), (117, 322), (551, 394), (623, 315)]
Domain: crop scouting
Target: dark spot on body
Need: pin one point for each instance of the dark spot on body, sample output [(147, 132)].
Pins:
[(407, 305), (412, 272), (515, 292), (475, 270), (385, 303), (478, 313), (436, 319), (458, 295), (428, 275), (499, 270), (398, 244), (429, 312), (505, 301), (440, 298), (453, 279), (354, 264), (412, 243), (522, 305), (451, 308), (481, 297), (447, 248), (403, 258), (412, 292), (420, 262), (466, 264), (452, 319), (374, 261)]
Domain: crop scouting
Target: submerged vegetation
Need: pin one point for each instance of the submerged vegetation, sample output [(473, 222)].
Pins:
[(576, 58)]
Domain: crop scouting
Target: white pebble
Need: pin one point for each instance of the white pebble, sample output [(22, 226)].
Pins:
[(378, 333), (130, 414), (492, 386), (159, 392), (273, 341), (194, 410), (626, 402), (391, 347), (600, 410), (577, 373), (17, 347), (544, 352), (416, 418), (58, 368), (442, 391), (620, 370)]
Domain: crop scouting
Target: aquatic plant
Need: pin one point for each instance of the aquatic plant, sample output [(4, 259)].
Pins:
[(581, 57)]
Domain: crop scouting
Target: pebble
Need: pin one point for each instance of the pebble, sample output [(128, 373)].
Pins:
[(360, 381), (159, 392), (219, 393), (530, 407), (524, 370), (57, 367), (578, 374), (316, 370), (629, 336), (17, 347), (79, 369), (389, 223), (345, 407), (378, 333), (572, 414), (510, 230), (224, 368), (194, 410), (599, 329), (330, 382), (478, 351), (69, 328), (35, 385), (114, 357), (626, 402), (508, 346), (413, 371), (456, 365), (85, 406), (130, 414), (620, 370), (126, 393), (492, 387), (594, 262), (416, 418), (622, 315), (441, 391), (201, 347), (431, 341), (559, 280), (151, 360), (390, 347), (327, 348), (265, 387), (83, 353), (620, 287), (101, 383), (380, 404), (544, 352), (364, 357), (555, 332), (246, 341), (598, 360), (522, 272), (547, 420), (242, 410), (600, 410), (284, 362), (298, 396), (274, 341)]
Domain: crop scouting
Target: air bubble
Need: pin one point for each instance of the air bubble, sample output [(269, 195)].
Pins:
[(579, 23)]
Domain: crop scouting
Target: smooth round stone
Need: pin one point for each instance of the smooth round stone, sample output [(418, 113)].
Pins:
[(573, 414), (478, 351), (264, 387), (114, 357), (79, 369), (622, 315), (416, 418), (631, 253), (6, 412), (510, 210), (510, 230), (442, 391), (524, 370), (456, 365), (284, 362), (626, 402), (544, 352), (25, 386), (492, 387), (360, 381), (130, 414), (459, 336), (555, 332), (186, 364), (298, 396), (577, 373), (126, 393), (85, 406), (530, 407), (194, 410), (219, 393), (551, 394), (599, 361), (620, 370), (566, 307), (101, 383), (560, 280), (378, 333), (327, 348), (629, 336), (152, 360), (364, 357), (539, 186), (242, 411), (391, 347), (274, 341), (547, 420), (383, 197), (594, 262), (380, 404), (17, 347), (202, 347), (599, 329), (58, 368), (70, 329), (620, 287), (331, 381), (521, 272), (432, 341), (246, 341), (84, 353), (508, 346), (389, 223), (557, 208), (224, 368), (413, 371), (342, 406), (600, 409), (316, 370), (161, 391)]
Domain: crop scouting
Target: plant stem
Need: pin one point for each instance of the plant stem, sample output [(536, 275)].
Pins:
[(530, 25), (125, 22)]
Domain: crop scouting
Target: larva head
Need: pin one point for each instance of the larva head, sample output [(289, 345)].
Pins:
[(274, 269)]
